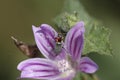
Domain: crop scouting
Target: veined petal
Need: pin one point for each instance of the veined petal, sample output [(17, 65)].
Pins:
[(74, 40), (44, 37), (38, 68), (87, 65), (49, 30)]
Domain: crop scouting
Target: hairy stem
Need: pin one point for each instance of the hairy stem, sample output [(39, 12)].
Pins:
[(94, 77)]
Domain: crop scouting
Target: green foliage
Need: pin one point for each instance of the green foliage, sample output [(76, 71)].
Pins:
[(96, 35), (65, 21), (97, 39)]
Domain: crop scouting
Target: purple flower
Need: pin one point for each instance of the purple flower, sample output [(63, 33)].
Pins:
[(63, 66)]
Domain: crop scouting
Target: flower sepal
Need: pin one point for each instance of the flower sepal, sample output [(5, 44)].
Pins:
[(84, 76)]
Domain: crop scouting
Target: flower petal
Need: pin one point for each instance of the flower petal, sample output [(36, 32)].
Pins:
[(74, 40), (87, 65), (38, 68), (44, 37)]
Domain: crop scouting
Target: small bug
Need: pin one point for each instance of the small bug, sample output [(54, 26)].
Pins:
[(58, 46)]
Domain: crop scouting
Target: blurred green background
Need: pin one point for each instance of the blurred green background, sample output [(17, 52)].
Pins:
[(17, 17)]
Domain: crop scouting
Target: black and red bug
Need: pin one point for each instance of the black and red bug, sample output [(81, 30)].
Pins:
[(58, 45)]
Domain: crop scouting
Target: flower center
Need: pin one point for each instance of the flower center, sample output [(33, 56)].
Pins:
[(65, 67)]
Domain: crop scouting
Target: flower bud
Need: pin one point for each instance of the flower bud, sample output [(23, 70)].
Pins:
[(30, 51)]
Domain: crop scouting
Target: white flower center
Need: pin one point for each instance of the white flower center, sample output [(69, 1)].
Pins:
[(65, 67)]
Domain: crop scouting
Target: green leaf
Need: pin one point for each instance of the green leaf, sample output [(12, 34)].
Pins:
[(74, 6), (96, 35), (97, 39), (65, 21), (72, 12)]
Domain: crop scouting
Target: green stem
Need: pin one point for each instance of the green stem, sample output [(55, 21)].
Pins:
[(94, 77)]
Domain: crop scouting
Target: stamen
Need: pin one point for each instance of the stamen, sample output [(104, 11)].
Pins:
[(64, 66)]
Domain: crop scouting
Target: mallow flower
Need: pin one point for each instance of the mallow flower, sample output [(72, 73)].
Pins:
[(58, 66)]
